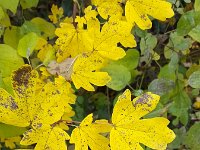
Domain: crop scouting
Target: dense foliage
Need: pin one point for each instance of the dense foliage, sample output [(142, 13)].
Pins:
[(100, 74)]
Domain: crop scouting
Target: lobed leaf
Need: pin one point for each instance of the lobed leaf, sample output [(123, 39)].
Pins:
[(129, 131), (88, 134)]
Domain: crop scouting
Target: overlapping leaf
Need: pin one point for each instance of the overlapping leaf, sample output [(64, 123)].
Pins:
[(136, 11), (108, 8), (74, 41), (86, 72), (28, 106), (51, 138), (129, 131), (88, 135)]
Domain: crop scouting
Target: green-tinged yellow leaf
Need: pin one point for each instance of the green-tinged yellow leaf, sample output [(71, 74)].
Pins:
[(197, 5), (27, 44), (129, 131), (9, 60), (2, 14), (50, 138), (7, 131), (47, 29), (46, 54), (13, 32), (86, 72), (28, 4), (137, 11), (5, 20), (88, 135), (11, 5)]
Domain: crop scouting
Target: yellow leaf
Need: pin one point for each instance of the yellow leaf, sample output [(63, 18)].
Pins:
[(86, 72), (50, 138), (10, 142), (136, 11), (72, 41), (76, 41), (66, 118), (108, 7), (46, 54), (31, 107), (57, 14), (87, 135), (129, 131)]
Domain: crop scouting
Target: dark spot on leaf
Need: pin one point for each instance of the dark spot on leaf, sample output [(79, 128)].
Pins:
[(21, 76), (144, 99)]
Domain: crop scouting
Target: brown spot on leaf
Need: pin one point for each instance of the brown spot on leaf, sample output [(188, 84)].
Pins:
[(21, 76), (144, 99)]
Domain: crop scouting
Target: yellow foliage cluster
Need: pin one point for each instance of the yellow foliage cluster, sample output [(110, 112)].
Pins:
[(87, 41), (82, 48), (48, 111)]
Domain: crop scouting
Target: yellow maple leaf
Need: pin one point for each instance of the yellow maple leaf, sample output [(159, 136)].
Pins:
[(137, 11), (108, 8), (74, 41), (129, 131), (88, 134), (86, 72), (71, 41), (57, 14), (49, 138), (65, 119), (30, 107)]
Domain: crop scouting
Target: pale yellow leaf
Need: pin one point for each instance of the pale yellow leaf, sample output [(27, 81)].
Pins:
[(137, 11), (129, 131), (87, 135), (50, 138)]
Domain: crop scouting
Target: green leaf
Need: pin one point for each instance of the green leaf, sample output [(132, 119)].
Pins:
[(28, 27), (5, 21), (13, 32), (2, 14), (148, 43), (161, 86), (167, 72), (180, 106), (197, 5), (2, 85), (131, 59), (176, 44), (9, 60), (187, 22), (195, 33), (10, 4), (194, 79), (101, 102), (120, 76), (180, 134), (192, 69), (28, 3), (193, 137), (47, 29), (7, 131), (27, 44)]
